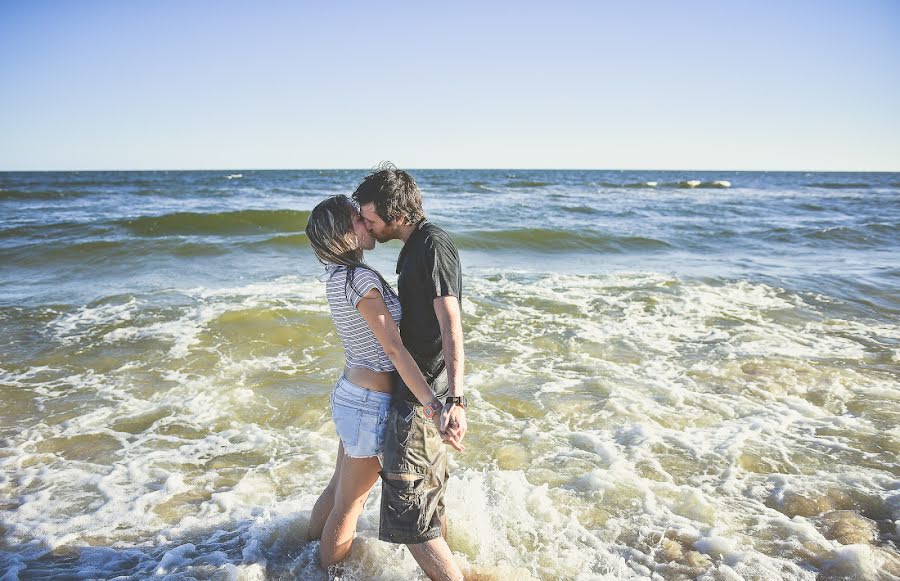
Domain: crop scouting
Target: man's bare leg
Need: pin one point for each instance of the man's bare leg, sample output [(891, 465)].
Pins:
[(436, 560)]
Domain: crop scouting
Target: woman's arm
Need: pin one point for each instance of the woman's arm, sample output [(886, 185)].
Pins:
[(376, 314)]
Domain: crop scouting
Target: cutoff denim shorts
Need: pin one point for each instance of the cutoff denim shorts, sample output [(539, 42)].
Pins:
[(360, 416)]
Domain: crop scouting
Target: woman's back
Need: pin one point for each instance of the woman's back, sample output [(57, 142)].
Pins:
[(361, 348)]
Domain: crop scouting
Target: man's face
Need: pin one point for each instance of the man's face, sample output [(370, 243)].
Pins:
[(380, 230)]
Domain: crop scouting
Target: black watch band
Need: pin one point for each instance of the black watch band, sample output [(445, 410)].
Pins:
[(459, 400)]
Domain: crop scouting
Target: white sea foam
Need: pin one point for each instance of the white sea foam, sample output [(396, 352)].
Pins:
[(73, 327), (622, 426)]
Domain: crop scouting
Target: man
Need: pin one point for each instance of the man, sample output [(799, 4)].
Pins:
[(414, 474)]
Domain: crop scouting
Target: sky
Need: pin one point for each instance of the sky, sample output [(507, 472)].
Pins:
[(654, 84)]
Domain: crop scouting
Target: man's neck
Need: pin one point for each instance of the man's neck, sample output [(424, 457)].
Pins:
[(406, 231)]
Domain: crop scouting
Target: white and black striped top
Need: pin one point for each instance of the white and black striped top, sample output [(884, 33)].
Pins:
[(361, 348)]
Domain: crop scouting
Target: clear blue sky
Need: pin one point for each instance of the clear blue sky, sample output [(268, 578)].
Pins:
[(653, 84)]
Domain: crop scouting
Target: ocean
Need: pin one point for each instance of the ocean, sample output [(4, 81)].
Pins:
[(672, 375)]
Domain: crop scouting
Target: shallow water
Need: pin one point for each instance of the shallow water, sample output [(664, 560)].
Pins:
[(667, 382)]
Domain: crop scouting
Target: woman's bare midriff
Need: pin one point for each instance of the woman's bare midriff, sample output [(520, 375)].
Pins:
[(374, 380)]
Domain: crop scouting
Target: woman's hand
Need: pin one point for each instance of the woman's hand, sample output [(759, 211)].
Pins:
[(449, 438)]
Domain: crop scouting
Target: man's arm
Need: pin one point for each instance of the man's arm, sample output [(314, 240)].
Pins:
[(446, 308), (376, 314)]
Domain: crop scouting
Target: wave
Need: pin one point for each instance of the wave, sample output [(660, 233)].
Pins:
[(581, 209), (121, 190), (840, 185), (527, 184), (864, 235), (43, 252), (288, 240), (99, 252), (869, 235), (220, 223), (617, 185), (45, 232), (683, 184), (548, 240), (481, 186), (65, 185), (26, 194), (242, 222), (697, 184)]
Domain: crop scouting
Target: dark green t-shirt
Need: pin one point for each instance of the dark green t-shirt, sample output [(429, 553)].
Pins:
[(428, 267)]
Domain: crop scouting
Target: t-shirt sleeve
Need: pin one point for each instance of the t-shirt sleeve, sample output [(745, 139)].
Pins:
[(363, 281), (444, 269)]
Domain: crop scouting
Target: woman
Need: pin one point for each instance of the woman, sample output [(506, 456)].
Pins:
[(365, 311)]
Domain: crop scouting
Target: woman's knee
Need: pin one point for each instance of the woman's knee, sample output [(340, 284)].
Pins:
[(331, 489), (334, 550), (348, 508)]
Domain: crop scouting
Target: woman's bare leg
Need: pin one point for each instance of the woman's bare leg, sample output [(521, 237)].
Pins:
[(357, 477), (325, 503)]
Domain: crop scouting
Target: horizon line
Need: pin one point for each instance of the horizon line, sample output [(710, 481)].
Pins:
[(239, 169)]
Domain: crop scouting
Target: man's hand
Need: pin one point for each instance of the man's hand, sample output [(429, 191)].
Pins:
[(453, 422), (449, 439)]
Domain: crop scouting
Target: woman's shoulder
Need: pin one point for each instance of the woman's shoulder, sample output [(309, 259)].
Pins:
[(331, 270), (359, 277), (368, 279)]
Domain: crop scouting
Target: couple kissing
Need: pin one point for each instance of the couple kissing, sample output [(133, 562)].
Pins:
[(399, 401)]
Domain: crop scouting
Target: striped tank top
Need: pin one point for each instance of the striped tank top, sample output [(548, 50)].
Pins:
[(361, 348)]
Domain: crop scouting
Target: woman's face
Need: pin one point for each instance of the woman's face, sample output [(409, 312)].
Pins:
[(366, 242)]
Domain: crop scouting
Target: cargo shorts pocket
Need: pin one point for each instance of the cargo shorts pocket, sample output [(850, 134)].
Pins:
[(405, 429), (398, 430), (402, 506), (346, 421)]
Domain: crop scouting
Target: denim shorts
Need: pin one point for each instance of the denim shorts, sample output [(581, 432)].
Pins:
[(360, 416)]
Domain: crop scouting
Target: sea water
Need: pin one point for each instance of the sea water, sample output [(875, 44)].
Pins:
[(672, 375)]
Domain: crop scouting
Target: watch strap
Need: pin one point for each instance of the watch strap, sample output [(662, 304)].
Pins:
[(459, 400), (432, 408)]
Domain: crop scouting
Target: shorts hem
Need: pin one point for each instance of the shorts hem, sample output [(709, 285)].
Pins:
[(410, 540), (362, 456)]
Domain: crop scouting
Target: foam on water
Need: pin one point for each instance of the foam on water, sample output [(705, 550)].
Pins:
[(629, 425)]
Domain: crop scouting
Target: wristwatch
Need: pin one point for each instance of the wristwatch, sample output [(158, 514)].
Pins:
[(429, 409), (459, 400)]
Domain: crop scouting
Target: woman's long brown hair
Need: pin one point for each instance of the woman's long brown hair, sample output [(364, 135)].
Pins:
[(330, 233)]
